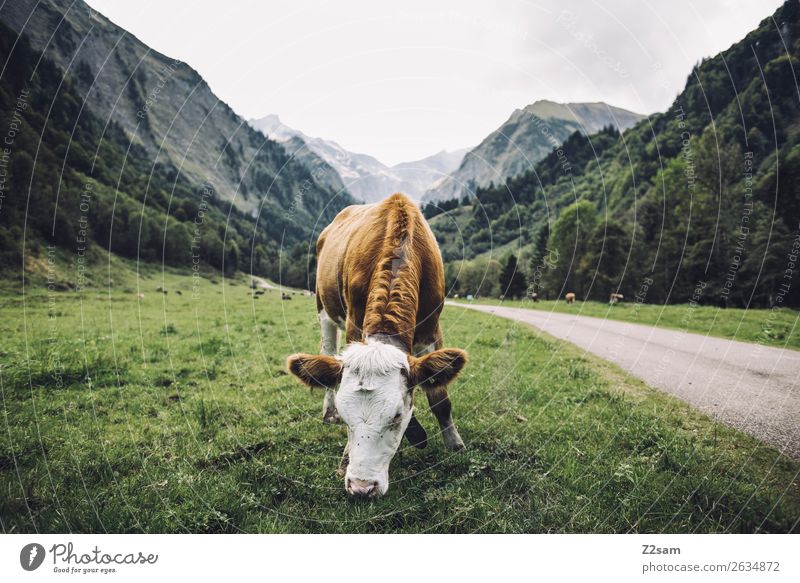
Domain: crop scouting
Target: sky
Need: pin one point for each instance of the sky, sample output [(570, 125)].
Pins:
[(404, 80)]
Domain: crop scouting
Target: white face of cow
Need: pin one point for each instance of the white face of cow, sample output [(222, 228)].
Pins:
[(375, 401)]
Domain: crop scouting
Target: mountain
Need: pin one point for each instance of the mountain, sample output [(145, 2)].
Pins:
[(699, 204), (165, 106), (424, 173), (364, 176), (119, 148), (524, 139)]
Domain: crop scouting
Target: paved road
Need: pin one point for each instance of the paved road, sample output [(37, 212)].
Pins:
[(751, 387)]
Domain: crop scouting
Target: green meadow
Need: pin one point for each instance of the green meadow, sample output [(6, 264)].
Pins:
[(160, 403)]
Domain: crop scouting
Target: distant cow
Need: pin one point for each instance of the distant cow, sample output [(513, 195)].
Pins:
[(380, 278), (570, 297), (285, 296), (614, 298)]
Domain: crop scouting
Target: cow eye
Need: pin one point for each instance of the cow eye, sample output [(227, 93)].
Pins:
[(397, 418)]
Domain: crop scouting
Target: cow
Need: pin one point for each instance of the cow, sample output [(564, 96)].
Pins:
[(614, 298), (570, 298), (380, 279)]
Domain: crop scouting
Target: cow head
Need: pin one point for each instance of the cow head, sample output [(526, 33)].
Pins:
[(375, 400)]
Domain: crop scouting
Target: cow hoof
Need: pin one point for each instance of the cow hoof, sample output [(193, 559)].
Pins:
[(457, 446), (452, 440)]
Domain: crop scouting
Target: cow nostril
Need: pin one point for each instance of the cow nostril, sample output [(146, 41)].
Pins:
[(358, 487)]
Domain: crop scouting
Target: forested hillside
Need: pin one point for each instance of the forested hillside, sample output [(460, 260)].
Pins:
[(701, 202), (164, 105), (82, 183)]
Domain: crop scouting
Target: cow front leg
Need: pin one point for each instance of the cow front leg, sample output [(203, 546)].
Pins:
[(329, 412), (329, 346), (439, 401), (440, 405)]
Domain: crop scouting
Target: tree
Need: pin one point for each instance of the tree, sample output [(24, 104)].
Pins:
[(568, 242), (177, 244), (512, 281), (480, 277), (764, 266), (231, 256), (539, 261), (604, 260)]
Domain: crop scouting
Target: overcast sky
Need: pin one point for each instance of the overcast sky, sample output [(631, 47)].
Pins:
[(403, 80)]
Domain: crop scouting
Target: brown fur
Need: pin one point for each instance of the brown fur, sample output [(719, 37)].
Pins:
[(436, 369), (380, 271), (394, 286), (315, 370), (570, 297)]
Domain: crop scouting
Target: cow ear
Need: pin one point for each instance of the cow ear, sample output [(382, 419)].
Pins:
[(437, 368), (315, 370)]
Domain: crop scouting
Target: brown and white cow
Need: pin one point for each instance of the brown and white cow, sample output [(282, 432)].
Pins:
[(380, 278), (570, 297)]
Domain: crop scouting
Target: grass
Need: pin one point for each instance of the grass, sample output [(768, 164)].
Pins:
[(172, 413), (776, 327)]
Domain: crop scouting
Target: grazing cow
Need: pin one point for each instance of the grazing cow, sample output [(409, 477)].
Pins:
[(570, 297), (614, 298), (380, 278)]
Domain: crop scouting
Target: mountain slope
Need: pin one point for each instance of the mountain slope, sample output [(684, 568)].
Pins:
[(76, 178), (524, 139), (73, 182), (698, 204), (423, 174), (363, 175), (166, 107)]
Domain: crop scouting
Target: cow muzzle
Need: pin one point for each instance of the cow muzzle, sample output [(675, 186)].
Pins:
[(362, 488)]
